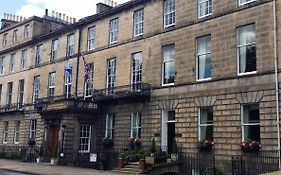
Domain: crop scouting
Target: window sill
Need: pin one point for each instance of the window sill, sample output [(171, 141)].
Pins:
[(204, 16), (167, 27), (84, 152), (247, 73), (167, 85), (205, 79), (241, 4)]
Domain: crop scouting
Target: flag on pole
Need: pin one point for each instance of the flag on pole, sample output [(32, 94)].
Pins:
[(68, 70), (86, 67)]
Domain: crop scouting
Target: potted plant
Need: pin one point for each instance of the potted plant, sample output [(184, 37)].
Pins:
[(250, 146), (54, 155), (137, 143), (205, 145), (40, 152), (150, 158), (121, 160), (174, 155)]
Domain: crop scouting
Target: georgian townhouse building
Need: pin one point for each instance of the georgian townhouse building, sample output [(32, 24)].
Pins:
[(164, 69)]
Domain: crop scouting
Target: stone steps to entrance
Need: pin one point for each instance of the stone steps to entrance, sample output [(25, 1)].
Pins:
[(129, 168)]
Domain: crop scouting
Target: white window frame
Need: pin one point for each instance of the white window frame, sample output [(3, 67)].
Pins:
[(113, 30), (136, 71), (197, 59), (17, 132), (51, 85), (67, 84), (9, 93), (15, 35), (244, 45), (39, 54), (111, 76), (36, 88), (23, 59), (54, 50), (164, 62), (91, 38), (89, 82), (5, 132), (138, 22), (2, 59), (1, 87), (247, 124), (70, 45), (88, 144), (135, 126), (208, 7), (203, 125), (5, 39), (32, 129), (12, 62), (247, 2), (26, 31), (109, 126), (21, 93), (169, 13)]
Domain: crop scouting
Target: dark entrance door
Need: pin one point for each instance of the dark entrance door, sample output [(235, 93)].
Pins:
[(53, 140), (171, 130), (171, 136)]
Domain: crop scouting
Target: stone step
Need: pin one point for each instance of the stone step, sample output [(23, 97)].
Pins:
[(133, 163), (131, 166), (121, 171), (131, 169)]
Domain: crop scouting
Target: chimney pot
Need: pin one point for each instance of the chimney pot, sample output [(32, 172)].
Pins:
[(63, 17), (67, 19), (20, 18), (14, 17), (70, 21), (59, 16), (17, 18), (53, 13), (74, 20), (46, 12)]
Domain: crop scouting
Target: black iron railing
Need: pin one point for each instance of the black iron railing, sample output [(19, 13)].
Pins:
[(24, 153), (132, 90), (255, 163), (14, 107)]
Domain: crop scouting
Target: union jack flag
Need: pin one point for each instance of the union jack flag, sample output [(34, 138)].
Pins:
[(86, 68)]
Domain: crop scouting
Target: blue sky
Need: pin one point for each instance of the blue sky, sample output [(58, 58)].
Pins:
[(72, 8)]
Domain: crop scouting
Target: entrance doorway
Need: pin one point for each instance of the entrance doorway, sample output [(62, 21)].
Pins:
[(53, 137), (168, 131)]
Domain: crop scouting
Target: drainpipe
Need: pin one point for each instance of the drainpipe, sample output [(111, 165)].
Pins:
[(78, 60), (276, 80)]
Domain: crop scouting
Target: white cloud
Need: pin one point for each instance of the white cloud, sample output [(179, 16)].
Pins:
[(73, 8)]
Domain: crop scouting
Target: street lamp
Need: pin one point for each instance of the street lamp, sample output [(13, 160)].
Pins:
[(63, 126)]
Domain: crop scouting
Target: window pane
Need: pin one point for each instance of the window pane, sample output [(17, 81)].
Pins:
[(171, 116), (204, 66), (247, 62), (252, 133), (206, 132), (251, 114), (206, 116)]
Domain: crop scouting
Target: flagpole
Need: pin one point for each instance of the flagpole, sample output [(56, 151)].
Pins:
[(78, 59)]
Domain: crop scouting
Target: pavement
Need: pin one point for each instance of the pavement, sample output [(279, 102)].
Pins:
[(46, 169)]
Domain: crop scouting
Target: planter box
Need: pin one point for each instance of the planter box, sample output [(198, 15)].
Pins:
[(120, 163), (150, 160)]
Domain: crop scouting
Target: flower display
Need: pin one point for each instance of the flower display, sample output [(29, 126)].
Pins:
[(250, 146), (137, 142), (134, 142), (205, 145)]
